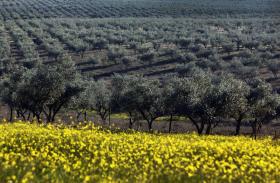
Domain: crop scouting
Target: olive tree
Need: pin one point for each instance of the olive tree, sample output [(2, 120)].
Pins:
[(148, 99), (190, 93), (84, 101), (234, 99), (274, 67), (101, 101), (170, 98), (47, 88), (206, 99), (121, 101), (96, 96), (263, 104), (144, 96), (228, 47), (9, 86)]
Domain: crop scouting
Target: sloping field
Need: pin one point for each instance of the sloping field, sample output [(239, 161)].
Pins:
[(139, 36), (153, 47), (27, 9)]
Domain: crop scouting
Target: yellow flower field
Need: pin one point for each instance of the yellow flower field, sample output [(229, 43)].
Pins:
[(37, 153)]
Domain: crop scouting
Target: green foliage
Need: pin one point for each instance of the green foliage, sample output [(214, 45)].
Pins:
[(145, 8), (42, 89)]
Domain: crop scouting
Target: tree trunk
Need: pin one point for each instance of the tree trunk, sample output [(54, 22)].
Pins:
[(78, 116), (48, 114), (170, 123), (103, 115), (254, 129), (49, 118), (238, 46), (18, 113), (259, 126), (208, 129), (238, 124), (150, 125), (139, 126), (130, 123), (103, 118), (53, 117), (198, 127), (109, 117), (200, 130), (85, 116), (23, 115), (38, 118), (28, 117), (11, 114), (130, 120)]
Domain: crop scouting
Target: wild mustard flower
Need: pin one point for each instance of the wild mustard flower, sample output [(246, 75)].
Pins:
[(55, 153)]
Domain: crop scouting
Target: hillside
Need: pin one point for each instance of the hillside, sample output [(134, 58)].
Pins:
[(28, 9), (221, 35), (153, 47)]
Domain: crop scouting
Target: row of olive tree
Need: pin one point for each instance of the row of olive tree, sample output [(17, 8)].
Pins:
[(205, 99)]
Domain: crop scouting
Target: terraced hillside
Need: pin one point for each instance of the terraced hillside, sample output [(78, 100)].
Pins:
[(26, 9), (150, 46), (234, 36)]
